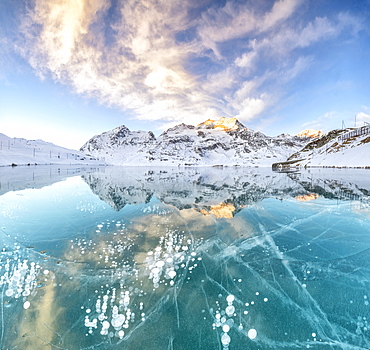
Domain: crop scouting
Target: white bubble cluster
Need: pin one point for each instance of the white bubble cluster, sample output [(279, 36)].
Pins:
[(225, 323), (363, 326), (224, 319), (19, 278), (172, 252), (112, 314)]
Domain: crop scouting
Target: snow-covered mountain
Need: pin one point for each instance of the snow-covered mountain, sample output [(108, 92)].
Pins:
[(18, 151), (339, 148), (211, 143)]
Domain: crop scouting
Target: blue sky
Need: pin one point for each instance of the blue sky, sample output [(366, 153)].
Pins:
[(71, 69)]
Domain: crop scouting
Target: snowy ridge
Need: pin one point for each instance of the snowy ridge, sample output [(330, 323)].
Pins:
[(212, 143), (19, 151), (339, 148)]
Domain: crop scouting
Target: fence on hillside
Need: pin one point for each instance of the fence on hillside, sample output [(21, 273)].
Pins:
[(363, 130)]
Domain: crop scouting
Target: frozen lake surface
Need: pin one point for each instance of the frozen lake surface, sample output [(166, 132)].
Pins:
[(137, 258)]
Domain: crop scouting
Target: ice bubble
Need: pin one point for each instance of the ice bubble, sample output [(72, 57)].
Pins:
[(105, 324), (160, 263), (118, 321), (230, 310), (172, 274), (9, 292), (225, 328), (230, 322), (26, 304), (230, 298), (225, 339), (313, 335), (252, 333), (265, 299), (121, 333)]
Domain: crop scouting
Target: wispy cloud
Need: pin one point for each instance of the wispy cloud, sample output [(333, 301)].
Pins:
[(363, 117), (235, 20), (136, 55), (321, 121)]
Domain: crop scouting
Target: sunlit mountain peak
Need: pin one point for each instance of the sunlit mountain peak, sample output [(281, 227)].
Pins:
[(224, 123), (310, 133)]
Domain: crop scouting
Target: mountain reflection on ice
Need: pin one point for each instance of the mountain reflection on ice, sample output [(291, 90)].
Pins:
[(152, 259)]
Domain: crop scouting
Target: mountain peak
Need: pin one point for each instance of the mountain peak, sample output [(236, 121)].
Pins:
[(121, 131), (310, 133), (224, 123), (178, 129)]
